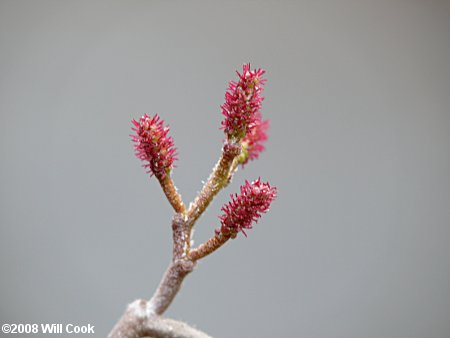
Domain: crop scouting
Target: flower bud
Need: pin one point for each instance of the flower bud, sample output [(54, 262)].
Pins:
[(246, 208), (242, 102), (252, 143), (153, 146)]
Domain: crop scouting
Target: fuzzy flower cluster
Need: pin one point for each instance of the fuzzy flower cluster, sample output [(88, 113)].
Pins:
[(243, 103), (246, 208), (153, 145), (253, 142)]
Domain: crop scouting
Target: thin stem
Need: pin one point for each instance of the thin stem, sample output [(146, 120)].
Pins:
[(233, 170), (242, 158), (172, 194), (208, 247), (170, 285), (179, 237), (216, 181)]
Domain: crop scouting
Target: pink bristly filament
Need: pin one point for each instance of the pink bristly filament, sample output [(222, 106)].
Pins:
[(153, 145), (246, 208), (242, 102)]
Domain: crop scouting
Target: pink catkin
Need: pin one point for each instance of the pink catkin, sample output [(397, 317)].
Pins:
[(245, 209), (153, 146), (255, 139), (243, 102)]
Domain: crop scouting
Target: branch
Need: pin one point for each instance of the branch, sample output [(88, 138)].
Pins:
[(245, 132), (208, 247), (180, 237), (170, 285), (143, 318), (219, 178), (138, 321), (172, 194)]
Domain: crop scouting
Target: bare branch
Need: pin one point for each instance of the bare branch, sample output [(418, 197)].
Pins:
[(172, 194), (219, 177), (208, 247), (180, 235), (170, 285), (138, 321)]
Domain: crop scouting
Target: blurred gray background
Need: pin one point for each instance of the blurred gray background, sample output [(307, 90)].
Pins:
[(357, 245)]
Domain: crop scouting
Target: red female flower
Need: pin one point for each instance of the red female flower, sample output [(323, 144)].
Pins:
[(252, 143), (153, 146), (246, 208), (242, 102)]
